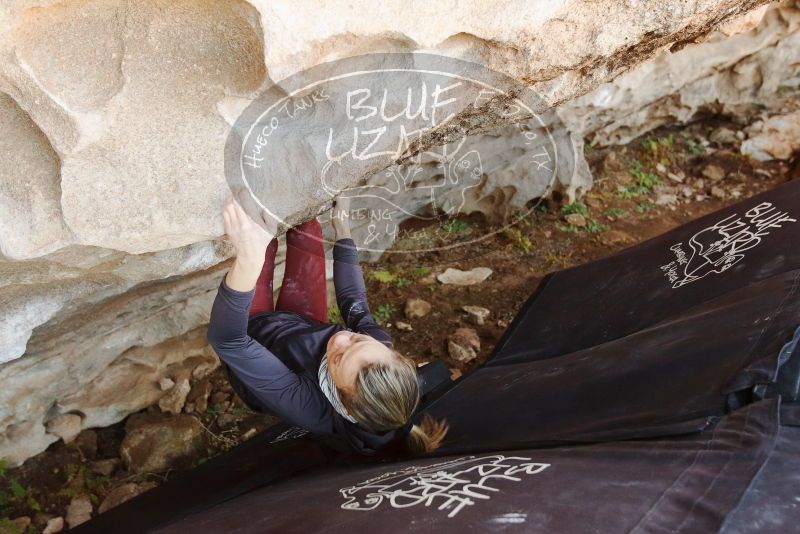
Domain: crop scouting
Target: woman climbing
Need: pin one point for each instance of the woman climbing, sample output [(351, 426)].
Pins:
[(346, 384)]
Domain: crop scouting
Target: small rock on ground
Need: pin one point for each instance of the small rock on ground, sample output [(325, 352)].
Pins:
[(54, 526), (477, 315), (464, 278), (22, 522), (575, 219), (79, 511), (416, 308), (715, 173), (405, 327), (155, 442), (463, 345), (665, 199)]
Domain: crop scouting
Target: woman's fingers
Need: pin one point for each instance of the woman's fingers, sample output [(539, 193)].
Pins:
[(240, 213), (241, 228), (231, 214), (226, 217), (228, 212), (242, 217), (237, 214)]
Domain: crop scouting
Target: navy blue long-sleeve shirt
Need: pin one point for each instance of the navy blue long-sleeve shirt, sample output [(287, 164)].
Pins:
[(276, 355)]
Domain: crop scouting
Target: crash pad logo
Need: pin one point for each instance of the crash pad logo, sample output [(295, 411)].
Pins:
[(450, 486), (403, 136), (719, 247)]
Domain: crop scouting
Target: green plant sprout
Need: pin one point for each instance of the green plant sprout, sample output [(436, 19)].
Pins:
[(334, 314), (576, 207), (645, 206), (384, 313), (617, 213), (455, 226), (521, 240)]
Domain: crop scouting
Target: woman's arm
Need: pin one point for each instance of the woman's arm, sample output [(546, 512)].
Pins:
[(348, 280), (283, 392), (250, 242)]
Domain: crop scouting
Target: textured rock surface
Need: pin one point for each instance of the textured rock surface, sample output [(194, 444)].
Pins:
[(775, 138), (416, 308), (477, 314), (739, 75), (79, 511), (464, 278), (150, 445), (463, 344), (55, 524), (115, 116)]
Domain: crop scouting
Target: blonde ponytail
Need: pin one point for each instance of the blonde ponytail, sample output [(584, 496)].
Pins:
[(427, 436), (386, 396)]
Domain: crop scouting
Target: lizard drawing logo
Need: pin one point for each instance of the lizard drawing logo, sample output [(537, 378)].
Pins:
[(451, 485), (717, 248)]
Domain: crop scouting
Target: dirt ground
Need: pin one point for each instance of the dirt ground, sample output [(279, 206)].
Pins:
[(619, 211)]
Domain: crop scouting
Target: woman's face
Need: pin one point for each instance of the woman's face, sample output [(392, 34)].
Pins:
[(348, 352)]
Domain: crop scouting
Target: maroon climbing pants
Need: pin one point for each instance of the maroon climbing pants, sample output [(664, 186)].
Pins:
[(303, 290)]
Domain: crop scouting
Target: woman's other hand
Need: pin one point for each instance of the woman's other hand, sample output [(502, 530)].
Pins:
[(340, 217), (248, 237), (250, 241)]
